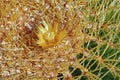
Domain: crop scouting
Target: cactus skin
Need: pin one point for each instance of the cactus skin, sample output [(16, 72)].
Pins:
[(84, 43)]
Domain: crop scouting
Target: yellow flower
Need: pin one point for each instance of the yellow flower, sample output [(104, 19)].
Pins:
[(49, 35)]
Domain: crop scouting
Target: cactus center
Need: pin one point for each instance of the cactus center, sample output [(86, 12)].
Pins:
[(49, 36)]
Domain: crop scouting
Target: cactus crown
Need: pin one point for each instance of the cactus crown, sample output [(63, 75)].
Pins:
[(59, 39)]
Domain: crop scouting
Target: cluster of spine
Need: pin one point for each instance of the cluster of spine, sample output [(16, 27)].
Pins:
[(59, 40)]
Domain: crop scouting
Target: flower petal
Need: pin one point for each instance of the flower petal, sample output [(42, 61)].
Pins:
[(55, 28), (60, 36), (42, 30), (41, 41)]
